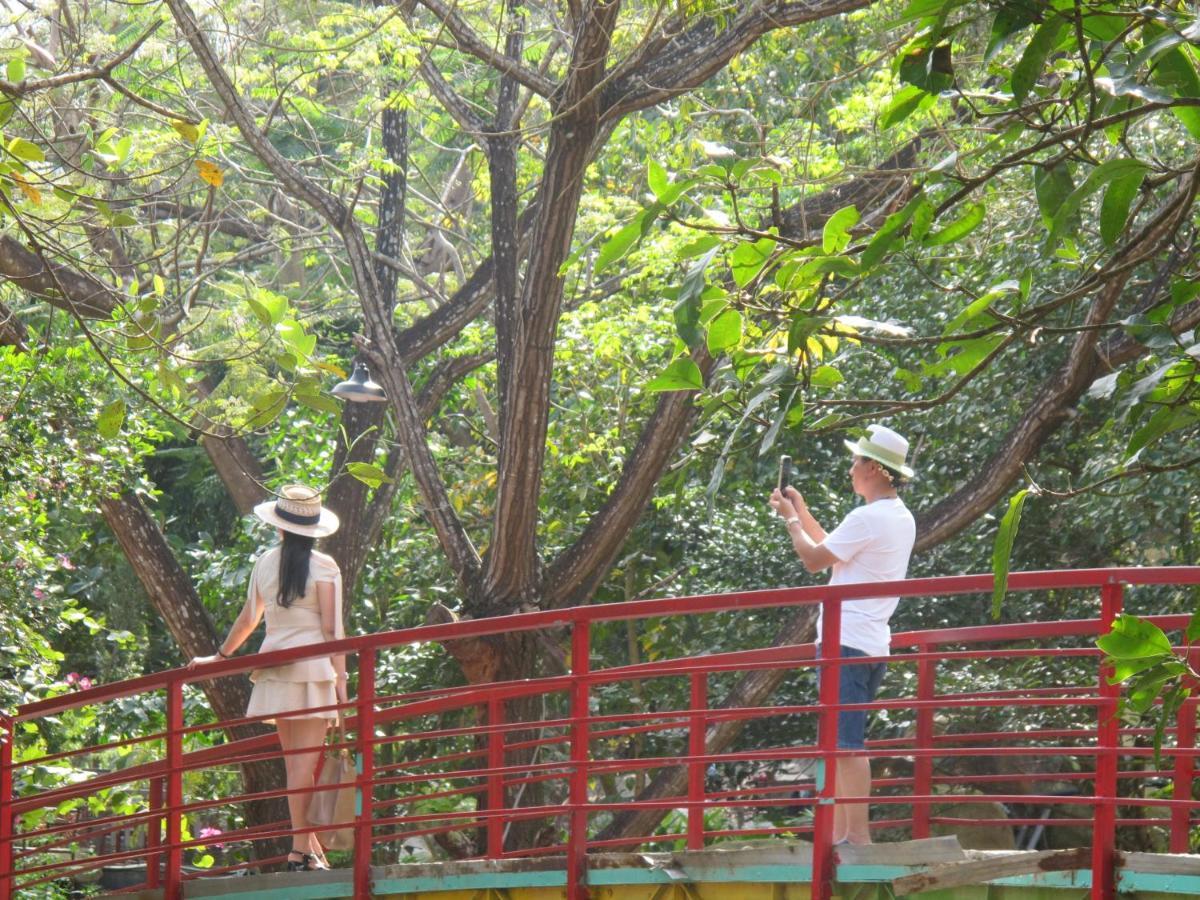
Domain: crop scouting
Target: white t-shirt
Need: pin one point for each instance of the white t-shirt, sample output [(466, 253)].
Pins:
[(873, 543)]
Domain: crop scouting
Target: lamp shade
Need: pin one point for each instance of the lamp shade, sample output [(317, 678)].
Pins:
[(359, 388)]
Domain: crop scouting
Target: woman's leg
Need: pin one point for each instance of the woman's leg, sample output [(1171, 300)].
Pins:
[(301, 735)]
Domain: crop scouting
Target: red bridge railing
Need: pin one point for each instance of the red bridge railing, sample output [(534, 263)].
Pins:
[(468, 759)]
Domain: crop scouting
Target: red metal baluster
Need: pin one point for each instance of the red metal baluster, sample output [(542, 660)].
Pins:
[(577, 834), (1185, 771), (1104, 828), (828, 695), (172, 882), (366, 773), (696, 748), (923, 766), (7, 736), (154, 833), (495, 782)]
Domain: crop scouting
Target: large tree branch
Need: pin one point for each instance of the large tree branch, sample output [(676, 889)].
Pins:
[(377, 309), (63, 286), (574, 576), (1057, 394), (511, 566), (470, 42), (681, 58)]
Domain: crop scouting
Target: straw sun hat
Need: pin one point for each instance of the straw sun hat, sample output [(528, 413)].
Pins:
[(885, 446), (298, 509)]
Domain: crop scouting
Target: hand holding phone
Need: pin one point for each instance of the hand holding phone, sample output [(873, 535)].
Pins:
[(785, 474)]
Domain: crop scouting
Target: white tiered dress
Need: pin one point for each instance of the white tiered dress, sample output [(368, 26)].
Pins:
[(294, 689)]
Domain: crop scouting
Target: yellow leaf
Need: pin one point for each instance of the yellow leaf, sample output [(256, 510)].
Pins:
[(186, 130), (34, 195), (210, 172)]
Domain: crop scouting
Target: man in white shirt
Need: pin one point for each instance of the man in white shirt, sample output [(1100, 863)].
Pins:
[(873, 543)]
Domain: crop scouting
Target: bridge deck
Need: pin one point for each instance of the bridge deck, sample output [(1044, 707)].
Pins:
[(933, 869)]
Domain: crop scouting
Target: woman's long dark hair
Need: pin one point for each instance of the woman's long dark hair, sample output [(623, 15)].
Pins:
[(293, 566)]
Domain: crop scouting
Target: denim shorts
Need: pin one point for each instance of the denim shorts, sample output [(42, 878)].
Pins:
[(858, 684)]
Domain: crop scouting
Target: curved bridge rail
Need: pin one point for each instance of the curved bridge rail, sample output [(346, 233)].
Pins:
[(474, 760)]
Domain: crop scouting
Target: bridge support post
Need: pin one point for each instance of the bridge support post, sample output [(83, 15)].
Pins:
[(172, 883), (154, 831), (495, 781), (698, 729), (366, 772), (828, 693), (577, 888), (7, 734), (1185, 768), (923, 766), (1108, 734)]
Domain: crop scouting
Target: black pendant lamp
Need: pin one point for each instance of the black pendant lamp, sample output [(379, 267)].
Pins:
[(360, 388)]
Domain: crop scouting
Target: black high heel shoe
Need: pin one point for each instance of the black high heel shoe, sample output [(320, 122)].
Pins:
[(306, 863)]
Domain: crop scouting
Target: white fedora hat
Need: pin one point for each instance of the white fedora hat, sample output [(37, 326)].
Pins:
[(884, 446), (298, 509)]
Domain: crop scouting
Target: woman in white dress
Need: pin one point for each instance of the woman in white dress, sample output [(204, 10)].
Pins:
[(299, 591)]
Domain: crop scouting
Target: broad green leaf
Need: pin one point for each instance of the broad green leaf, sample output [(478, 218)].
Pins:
[(319, 402), (1002, 550), (618, 245), (110, 420), (907, 100), (23, 149), (1174, 72), (268, 306), (1192, 632), (1096, 179), (922, 219), (959, 228), (368, 474), (1033, 60), (656, 177), (889, 232), (681, 375), (1012, 17), (977, 306), (748, 259), (930, 70), (725, 331), (267, 407), (783, 415), (687, 307), (698, 246), (1143, 691), (1164, 421), (1131, 638), (1114, 209), (16, 69), (835, 237), (802, 328), (186, 130), (1052, 186), (825, 377)]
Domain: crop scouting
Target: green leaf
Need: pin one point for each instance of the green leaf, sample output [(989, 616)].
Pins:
[(802, 328), (825, 377), (681, 375), (656, 177), (835, 237), (320, 402), (922, 219), (748, 259), (23, 149), (687, 308), (725, 331), (1002, 550), (1174, 72), (976, 307), (369, 474), (889, 232), (903, 105), (931, 71), (16, 69), (620, 243), (1052, 186), (186, 130), (1096, 179), (268, 306), (1033, 60), (959, 228), (267, 407), (1012, 17), (110, 420), (1131, 639), (1192, 632), (1114, 209)]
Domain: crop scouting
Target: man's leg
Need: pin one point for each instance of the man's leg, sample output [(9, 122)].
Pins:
[(851, 820)]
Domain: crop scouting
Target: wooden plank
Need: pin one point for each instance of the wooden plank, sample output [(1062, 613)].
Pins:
[(926, 851), (979, 871), (1161, 863)]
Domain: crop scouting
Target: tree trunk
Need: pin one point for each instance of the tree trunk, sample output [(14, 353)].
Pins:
[(175, 599)]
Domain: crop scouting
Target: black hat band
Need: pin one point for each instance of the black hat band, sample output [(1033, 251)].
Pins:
[(296, 518)]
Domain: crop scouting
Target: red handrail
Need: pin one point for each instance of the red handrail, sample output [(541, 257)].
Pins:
[(487, 775)]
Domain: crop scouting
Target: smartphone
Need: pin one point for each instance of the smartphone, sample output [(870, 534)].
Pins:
[(785, 472)]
